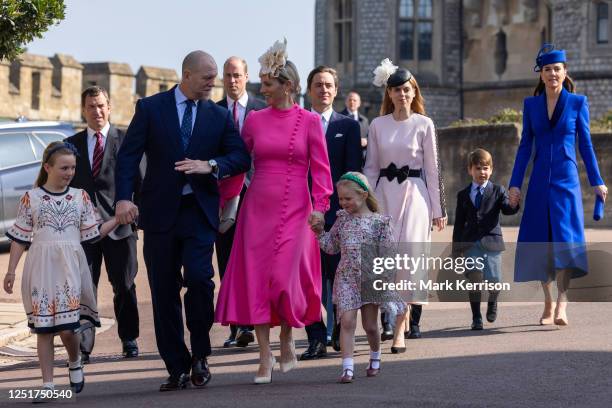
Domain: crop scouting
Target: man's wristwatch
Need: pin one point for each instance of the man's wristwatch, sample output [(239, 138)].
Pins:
[(213, 165)]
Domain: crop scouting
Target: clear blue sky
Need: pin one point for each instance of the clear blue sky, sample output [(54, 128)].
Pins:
[(161, 32)]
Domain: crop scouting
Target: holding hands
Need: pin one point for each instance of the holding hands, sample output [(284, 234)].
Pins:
[(514, 196), (316, 222), (126, 212)]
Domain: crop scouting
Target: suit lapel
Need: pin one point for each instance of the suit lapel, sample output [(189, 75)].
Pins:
[(171, 120), (331, 127), (81, 146), (198, 134), (110, 148), (488, 191)]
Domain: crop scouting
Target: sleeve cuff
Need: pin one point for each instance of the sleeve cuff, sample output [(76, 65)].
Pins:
[(19, 241)]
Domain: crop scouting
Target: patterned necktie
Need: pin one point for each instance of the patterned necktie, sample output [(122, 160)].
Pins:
[(187, 126), (235, 114), (478, 199), (98, 155), (323, 124)]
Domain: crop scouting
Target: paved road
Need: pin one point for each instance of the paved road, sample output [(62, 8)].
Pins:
[(514, 363)]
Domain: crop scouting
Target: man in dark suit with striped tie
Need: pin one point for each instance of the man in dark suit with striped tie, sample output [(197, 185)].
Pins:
[(239, 102), (97, 146)]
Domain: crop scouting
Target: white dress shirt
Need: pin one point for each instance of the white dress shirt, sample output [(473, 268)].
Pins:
[(354, 115), (475, 188), (241, 108), (325, 117), (92, 139)]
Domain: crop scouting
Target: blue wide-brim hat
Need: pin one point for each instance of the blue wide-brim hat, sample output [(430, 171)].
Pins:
[(548, 55)]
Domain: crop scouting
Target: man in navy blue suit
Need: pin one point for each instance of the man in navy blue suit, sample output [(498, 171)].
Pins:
[(190, 143), (344, 149)]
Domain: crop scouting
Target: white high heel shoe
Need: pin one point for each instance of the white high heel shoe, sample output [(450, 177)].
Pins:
[(266, 379), (290, 365)]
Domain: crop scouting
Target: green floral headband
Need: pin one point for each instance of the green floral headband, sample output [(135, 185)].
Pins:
[(355, 179)]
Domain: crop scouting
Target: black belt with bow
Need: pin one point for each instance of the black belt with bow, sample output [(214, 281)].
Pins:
[(401, 174)]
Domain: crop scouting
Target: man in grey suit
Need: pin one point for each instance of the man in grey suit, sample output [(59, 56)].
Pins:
[(239, 102), (97, 146)]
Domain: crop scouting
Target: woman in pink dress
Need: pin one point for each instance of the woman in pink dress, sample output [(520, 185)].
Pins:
[(402, 165), (274, 273)]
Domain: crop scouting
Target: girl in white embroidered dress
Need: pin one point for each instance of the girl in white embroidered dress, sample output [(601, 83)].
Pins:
[(56, 288)]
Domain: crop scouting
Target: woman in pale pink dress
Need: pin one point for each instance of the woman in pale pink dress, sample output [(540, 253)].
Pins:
[(402, 165), (274, 273)]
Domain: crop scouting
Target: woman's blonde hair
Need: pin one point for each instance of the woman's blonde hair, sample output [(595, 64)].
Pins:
[(417, 105), (53, 150), (346, 181)]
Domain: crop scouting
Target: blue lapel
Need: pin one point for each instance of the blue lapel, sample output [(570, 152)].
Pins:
[(331, 127), (171, 120), (198, 135)]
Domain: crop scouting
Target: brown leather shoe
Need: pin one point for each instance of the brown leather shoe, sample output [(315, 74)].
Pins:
[(347, 376), (373, 372)]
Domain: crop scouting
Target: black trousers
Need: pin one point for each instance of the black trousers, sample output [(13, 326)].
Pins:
[(186, 247), (223, 246), (120, 259), (318, 330)]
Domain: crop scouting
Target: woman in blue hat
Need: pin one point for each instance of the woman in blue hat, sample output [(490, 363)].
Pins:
[(551, 236)]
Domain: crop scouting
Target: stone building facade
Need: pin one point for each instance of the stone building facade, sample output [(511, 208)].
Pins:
[(355, 35), (41, 88), (471, 57)]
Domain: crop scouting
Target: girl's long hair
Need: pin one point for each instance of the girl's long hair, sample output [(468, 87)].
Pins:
[(417, 105), (371, 200), (50, 158), (568, 84)]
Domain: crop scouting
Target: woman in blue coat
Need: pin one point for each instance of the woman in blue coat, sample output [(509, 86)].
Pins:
[(554, 120)]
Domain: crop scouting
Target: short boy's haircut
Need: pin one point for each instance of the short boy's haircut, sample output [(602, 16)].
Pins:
[(480, 157)]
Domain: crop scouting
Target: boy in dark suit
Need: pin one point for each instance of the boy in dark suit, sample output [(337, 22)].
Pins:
[(477, 232)]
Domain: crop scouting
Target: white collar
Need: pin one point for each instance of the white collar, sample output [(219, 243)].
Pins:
[(242, 101), (104, 131), (326, 113)]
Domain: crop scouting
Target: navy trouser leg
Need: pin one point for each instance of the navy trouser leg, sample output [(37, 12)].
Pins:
[(197, 239), (162, 254)]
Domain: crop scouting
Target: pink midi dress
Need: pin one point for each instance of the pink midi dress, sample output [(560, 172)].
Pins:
[(274, 270)]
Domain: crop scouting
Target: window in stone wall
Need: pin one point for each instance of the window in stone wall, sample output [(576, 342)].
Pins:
[(163, 87), (343, 31), (35, 91), (603, 35), (14, 77), (415, 29)]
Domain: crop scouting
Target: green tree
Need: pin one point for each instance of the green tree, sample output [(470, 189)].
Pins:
[(23, 20)]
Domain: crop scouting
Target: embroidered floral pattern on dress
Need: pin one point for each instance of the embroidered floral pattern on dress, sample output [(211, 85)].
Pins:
[(58, 214), (346, 236)]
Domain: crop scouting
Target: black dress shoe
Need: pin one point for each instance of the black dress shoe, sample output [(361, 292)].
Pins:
[(175, 382), (477, 323), (315, 350), (200, 374), (414, 333), (491, 311), (244, 337), (230, 342), (387, 333), (130, 349)]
